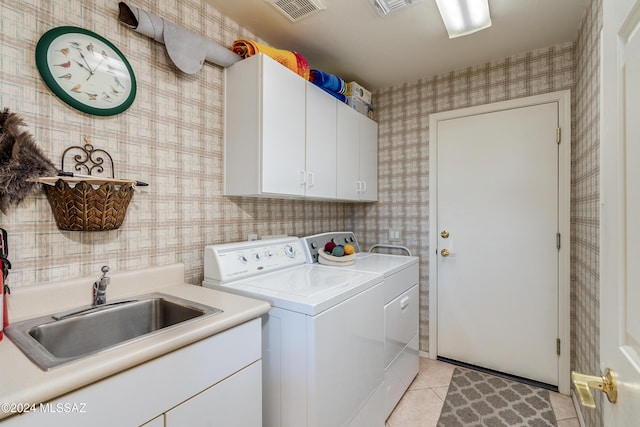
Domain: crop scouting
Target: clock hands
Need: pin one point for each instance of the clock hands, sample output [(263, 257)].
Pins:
[(97, 66), (85, 66), (85, 61), (81, 65)]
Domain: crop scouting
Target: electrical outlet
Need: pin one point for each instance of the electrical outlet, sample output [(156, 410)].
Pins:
[(395, 235), (252, 237)]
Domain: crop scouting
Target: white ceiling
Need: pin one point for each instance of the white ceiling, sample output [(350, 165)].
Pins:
[(351, 40)]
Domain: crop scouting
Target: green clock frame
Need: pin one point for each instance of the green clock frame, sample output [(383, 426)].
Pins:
[(85, 71)]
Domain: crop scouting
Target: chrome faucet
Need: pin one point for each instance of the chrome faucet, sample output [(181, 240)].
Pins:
[(100, 287)]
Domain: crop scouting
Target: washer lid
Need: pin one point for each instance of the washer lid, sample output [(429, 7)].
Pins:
[(308, 288)]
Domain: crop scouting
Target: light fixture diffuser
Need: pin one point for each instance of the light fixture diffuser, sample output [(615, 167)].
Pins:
[(464, 17)]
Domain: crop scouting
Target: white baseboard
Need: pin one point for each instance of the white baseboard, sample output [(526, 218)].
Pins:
[(576, 405), (424, 354)]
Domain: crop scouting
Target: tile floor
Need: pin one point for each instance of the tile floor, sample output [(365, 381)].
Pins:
[(422, 403)]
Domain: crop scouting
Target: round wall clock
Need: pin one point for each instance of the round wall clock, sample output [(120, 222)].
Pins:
[(86, 71)]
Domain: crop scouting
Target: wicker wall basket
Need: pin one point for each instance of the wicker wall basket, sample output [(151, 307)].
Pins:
[(82, 207)]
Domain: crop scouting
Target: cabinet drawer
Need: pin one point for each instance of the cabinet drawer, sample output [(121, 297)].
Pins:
[(400, 323)]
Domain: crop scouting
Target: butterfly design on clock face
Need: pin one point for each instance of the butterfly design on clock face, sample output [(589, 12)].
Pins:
[(86, 71)]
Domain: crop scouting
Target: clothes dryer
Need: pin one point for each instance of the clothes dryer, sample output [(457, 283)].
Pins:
[(401, 309)]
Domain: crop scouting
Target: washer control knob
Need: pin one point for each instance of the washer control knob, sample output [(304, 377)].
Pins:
[(290, 251), (257, 257), (314, 245), (268, 253), (243, 259)]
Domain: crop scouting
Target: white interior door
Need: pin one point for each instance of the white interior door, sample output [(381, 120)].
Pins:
[(620, 212), (497, 198)]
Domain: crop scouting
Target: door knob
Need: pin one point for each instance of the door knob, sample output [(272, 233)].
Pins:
[(444, 234), (584, 383), (444, 252)]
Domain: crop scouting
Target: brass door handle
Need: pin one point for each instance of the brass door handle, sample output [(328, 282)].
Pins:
[(584, 383), (444, 253)]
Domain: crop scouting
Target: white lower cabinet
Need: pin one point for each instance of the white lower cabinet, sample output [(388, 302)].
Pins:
[(215, 381), (217, 405)]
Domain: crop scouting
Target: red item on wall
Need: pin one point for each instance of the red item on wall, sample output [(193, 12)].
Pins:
[(3, 305), (5, 265)]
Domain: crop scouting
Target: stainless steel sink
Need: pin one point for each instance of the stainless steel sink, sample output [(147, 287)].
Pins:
[(50, 341)]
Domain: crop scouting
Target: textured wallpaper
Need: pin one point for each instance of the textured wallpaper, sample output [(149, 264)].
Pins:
[(171, 137), (403, 112), (585, 218)]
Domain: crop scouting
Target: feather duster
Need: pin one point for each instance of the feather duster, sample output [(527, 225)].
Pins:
[(20, 159)]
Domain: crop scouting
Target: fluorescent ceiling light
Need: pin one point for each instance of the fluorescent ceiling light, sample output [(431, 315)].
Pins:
[(464, 17)]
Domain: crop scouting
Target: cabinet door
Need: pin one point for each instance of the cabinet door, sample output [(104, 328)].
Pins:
[(283, 130), (348, 161), (236, 401), (368, 159), (321, 143)]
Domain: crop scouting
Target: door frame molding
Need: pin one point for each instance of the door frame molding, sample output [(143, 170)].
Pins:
[(563, 98)]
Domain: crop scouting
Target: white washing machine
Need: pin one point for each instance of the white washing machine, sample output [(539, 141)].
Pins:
[(401, 309), (323, 339)]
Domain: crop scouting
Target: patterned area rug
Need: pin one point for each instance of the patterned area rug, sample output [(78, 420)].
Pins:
[(483, 400)]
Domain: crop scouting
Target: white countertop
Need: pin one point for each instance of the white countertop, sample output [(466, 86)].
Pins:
[(24, 382)]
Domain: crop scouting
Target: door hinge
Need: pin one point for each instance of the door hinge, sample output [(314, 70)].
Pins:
[(558, 346), (558, 135), (558, 240)]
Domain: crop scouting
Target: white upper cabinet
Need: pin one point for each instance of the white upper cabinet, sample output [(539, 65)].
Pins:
[(321, 145), (264, 129), (357, 156), (287, 138), (348, 159), (368, 159)]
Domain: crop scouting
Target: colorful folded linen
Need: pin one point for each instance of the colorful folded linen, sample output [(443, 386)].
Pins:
[(340, 97), (328, 81), (290, 59)]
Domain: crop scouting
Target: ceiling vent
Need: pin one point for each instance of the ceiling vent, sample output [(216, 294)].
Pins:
[(295, 10), (385, 7)]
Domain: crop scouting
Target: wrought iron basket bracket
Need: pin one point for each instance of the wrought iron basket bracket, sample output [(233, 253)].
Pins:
[(88, 160)]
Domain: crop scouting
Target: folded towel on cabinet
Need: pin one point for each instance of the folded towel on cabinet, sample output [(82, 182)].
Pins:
[(340, 97), (290, 59), (328, 81)]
